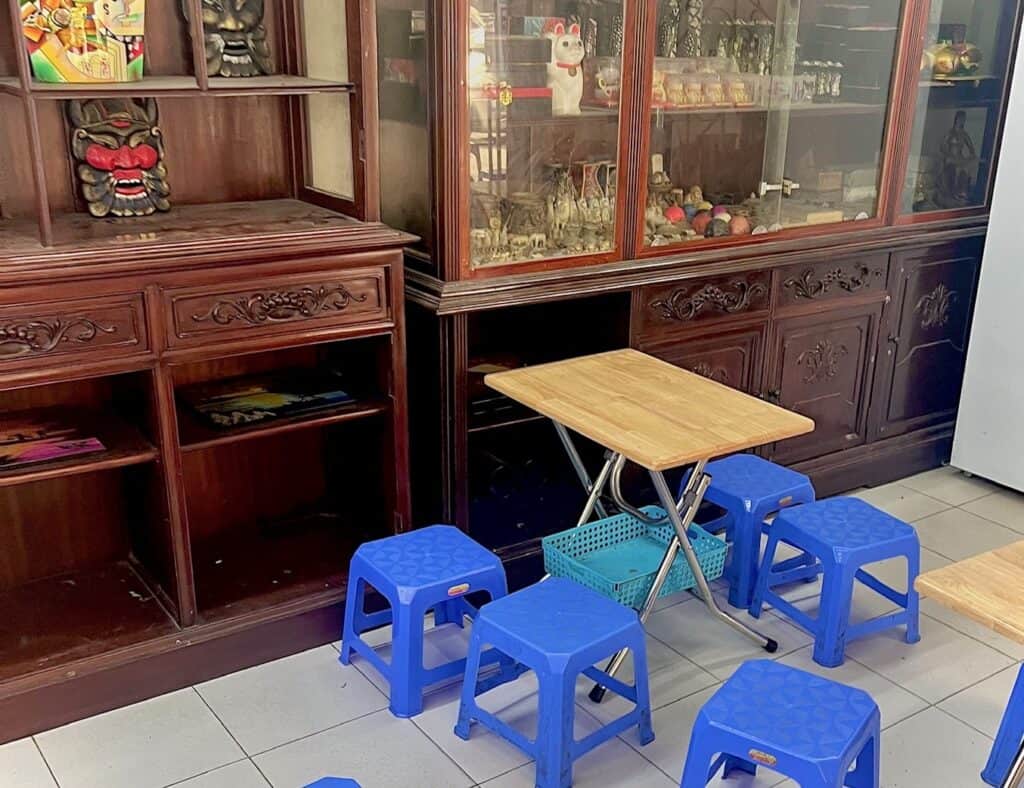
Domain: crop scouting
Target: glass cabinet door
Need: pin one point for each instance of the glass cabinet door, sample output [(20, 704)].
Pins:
[(965, 60), (543, 80), (766, 115)]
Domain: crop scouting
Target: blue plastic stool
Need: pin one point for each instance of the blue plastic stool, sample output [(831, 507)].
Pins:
[(803, 726), (432, 568), (844, 534), (559, 629), (334, 782), (1009, 738), (750, 489)]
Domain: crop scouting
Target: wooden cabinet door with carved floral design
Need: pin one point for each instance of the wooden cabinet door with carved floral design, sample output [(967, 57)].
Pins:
[(924, 344), (822, 369), (731, 357)]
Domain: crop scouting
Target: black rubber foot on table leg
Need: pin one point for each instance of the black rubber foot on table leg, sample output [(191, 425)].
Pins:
[(597, 694), (771, 646)]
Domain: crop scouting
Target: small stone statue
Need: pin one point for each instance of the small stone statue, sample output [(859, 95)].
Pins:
[(959, 165)]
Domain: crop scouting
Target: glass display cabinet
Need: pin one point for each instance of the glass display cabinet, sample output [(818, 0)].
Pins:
[(765, 116), (965, 57)]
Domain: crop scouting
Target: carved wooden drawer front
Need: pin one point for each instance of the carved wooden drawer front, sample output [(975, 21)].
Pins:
[(809, 283), (667, 308), (321, 301), (109, 326)]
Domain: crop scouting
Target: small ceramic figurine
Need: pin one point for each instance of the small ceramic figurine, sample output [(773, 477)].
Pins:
[(565, 71), (701, 222), (739, 225), (693, 35)]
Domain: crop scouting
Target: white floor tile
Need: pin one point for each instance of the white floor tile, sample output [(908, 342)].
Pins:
[(612, 764), (440, 645), (949, 485), (377, 751), (957, 534), (932, 749), (486, 754), (901, 502), (982, 705), (153, 743), (672, 725), (713, 645), (671, 676), (942, 664), (290, 698), (894, 702), (972, 629), (1005, 507), (243, 774), (21, 766)]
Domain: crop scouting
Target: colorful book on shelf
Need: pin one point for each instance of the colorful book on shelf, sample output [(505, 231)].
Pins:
[(29, 440), (251, 400)]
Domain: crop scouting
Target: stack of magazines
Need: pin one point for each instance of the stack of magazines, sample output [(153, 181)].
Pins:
[(28, 439)]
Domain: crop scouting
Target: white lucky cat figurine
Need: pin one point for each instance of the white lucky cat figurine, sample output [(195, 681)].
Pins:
[(565, 71)]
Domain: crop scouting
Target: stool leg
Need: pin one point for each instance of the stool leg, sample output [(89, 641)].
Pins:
[(913, 598), (866, 774), (407, 662), (556, 708), (352, 627), (643, 690), (764, 576), (834, 615), (696, 771), (467, 702), (449, 612), (1009, 737), (746, 550), (734, 764)]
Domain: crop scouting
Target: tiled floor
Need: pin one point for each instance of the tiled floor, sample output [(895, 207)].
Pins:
[(290, 722)]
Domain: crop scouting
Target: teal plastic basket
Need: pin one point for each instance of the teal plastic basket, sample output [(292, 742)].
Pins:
[(620, 556)]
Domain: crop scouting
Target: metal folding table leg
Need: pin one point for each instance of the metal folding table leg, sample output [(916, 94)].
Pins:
[(690, 502), (593, 488), (1015, 779)]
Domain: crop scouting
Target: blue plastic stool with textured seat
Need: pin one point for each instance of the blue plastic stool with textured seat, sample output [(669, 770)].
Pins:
[(1009, 737), (750, 489), (806, 727), (559, 629), (844, 534), (334, 782), (432, 568)]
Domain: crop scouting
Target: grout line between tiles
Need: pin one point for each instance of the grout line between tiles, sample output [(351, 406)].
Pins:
[(963, 722), (316, 733), (440, 749), (216, 716), (261, 773), (202, 773), (46, 763)]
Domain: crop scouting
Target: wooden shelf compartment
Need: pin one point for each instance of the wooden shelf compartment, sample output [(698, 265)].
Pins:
[(86, 569), (125, 446), (196, 435), (184, 86), (277, 521)]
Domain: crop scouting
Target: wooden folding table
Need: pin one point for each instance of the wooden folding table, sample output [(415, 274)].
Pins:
[(988, 588), (660, 417)]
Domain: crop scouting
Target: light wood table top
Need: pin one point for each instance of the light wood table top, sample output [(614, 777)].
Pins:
[(988, 588), (653, 413)]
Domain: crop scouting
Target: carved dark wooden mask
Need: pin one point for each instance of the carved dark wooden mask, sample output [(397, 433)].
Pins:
[(236, 40), (120, 153)]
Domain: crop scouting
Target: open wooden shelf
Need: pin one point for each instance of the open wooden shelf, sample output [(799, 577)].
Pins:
[(184, 86), (10, 85), (125, 446), (276, 84), (267, 564), (49, 622), (196, 435), (182, 224), (147, 86)]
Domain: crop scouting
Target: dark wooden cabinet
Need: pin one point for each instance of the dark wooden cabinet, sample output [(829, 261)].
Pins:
[(822, 366), (733, 357), (924, 344)]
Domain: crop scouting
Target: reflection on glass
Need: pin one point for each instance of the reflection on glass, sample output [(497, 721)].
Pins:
[(958, 105), (544, 81), (404, 138), (766, 114)]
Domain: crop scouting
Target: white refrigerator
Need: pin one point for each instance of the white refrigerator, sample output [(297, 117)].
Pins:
[(989, 439)]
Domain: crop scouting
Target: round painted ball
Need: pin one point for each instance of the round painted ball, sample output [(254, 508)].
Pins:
[(704, 206), (725, 217), (719, 228), (701, 221), (718, 210), (675, 214), (740, 225), (691, 210)]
